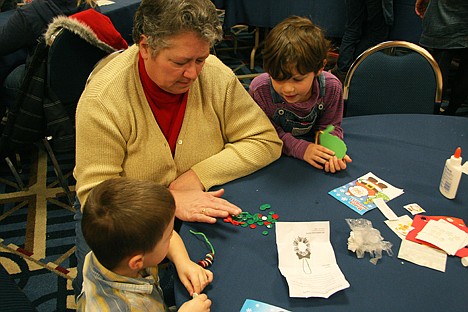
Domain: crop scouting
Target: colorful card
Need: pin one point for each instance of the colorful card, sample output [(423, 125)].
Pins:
[(257, 306), (359, 194), (414, 208)]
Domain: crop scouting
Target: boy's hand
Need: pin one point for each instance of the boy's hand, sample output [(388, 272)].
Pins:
[(335, 164), (200, 303), (194, 277)]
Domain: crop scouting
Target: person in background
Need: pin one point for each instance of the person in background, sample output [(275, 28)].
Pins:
[(167, 111), (22, 30), (129, 225), (445, 35), (297, 95), (367, 24), (7, 5)]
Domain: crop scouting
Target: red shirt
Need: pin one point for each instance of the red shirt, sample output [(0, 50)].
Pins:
[(167, 108)]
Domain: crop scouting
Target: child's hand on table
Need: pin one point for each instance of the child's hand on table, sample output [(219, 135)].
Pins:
[(321, 157)]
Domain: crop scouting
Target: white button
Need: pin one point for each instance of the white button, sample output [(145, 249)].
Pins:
[(179, 142)]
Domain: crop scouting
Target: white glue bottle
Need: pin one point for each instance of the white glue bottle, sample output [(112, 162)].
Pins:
[(452, 174)]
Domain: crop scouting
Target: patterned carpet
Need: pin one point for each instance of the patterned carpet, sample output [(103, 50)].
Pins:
[(37, 233)]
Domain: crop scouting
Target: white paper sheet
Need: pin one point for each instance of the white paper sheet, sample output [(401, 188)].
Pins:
[(385, 209), (307, 259), (423, 255)]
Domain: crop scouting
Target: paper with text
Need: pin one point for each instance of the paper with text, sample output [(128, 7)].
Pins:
[(444, 235), (423, 255), (307, 259)]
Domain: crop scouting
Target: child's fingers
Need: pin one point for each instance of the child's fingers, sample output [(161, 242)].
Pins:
[(188, 285), (209, 276), (201, 280), (333, 163), (204, 300)]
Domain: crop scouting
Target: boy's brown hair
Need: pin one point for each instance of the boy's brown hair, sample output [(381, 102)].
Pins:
[(294, 44), (123, 217)]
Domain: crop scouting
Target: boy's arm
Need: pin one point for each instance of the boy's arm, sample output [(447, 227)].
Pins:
[(193, 277)]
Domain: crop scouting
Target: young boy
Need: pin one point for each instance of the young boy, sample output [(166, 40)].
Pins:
[(298, 96), (128, 225)]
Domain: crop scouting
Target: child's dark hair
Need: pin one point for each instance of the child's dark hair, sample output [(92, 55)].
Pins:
[(123, 217), (294, 44)]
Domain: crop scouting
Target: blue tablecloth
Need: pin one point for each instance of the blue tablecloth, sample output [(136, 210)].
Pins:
[(407, 151)]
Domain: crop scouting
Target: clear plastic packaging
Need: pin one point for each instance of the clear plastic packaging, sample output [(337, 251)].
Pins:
[(364, 238)]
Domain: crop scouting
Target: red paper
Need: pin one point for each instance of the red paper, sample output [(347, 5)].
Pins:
[(420, 221)]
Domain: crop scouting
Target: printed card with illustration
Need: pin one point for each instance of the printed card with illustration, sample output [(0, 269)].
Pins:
[(258, 306), (359, 194)]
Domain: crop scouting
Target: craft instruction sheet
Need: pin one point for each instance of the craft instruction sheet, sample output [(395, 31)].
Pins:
[(307, 259)]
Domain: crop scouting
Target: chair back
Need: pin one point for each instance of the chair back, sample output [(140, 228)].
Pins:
[(394, 77), (70, 61)]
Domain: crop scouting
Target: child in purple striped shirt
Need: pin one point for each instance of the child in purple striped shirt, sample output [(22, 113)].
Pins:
[(298, 96)]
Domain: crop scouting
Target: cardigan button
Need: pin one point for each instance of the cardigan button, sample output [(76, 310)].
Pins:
[(179, 142)]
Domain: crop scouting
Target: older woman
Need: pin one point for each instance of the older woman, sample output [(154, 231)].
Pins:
[(166, 110)]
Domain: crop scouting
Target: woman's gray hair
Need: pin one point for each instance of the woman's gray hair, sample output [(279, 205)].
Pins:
[(160, 20)]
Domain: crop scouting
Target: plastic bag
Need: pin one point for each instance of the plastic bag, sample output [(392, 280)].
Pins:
[(364, 238)]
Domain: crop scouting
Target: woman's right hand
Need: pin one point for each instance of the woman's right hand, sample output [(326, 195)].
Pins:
[(200, 206), (200, 303)]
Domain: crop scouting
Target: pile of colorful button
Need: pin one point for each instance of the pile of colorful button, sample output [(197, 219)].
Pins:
[(246, 219)]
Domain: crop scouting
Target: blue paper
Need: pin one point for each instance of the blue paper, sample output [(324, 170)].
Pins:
[(359, 194), (257, 306)]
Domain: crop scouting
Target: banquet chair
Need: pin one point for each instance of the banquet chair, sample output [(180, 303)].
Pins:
[(67, 79), (67, 58), (393, 77)]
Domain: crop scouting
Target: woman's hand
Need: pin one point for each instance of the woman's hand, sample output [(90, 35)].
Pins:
[(195, 205), (200, 206), (200, 303)]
